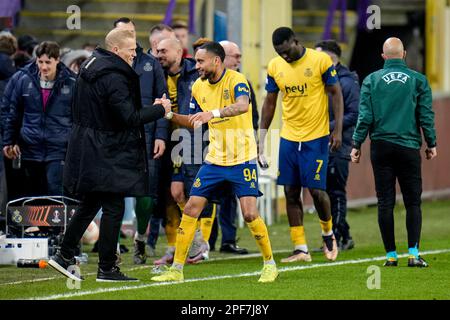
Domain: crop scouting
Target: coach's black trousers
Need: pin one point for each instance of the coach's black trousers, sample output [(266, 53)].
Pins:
[(337, 176), (390, 162), (112, 213)]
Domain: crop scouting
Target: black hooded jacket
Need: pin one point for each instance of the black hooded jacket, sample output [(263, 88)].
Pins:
[(106, 151)]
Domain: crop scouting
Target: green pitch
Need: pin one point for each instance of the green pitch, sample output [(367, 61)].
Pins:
[(224, 276)]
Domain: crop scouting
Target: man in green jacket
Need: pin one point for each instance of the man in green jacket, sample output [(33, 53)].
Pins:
[(395, 104)]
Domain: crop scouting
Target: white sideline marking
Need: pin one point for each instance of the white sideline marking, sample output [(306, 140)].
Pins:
[(148, 266), (240, 275)]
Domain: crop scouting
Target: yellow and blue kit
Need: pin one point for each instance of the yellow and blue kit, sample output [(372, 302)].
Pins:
[(303, 154), (232, 151)]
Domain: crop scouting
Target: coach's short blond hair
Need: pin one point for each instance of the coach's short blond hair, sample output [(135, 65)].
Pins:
[(116, 37)]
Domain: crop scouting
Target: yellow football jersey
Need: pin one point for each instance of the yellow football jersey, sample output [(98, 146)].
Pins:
[(232, 140), (172, 84), (305, 101)]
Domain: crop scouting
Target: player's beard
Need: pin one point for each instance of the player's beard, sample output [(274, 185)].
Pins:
[(207, 75), (164, 63)]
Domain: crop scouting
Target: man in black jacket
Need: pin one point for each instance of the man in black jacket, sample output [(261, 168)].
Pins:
[(153, 85), (106, 158)]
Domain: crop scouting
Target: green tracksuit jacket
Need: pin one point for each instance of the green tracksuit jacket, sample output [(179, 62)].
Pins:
[(395, 103)]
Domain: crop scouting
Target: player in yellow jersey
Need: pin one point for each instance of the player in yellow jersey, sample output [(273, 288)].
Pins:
[(181, 75), (305, 77), (220, 97)]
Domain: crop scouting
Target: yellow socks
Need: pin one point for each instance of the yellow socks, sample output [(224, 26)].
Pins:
[(327, 227), (298, 238), (181, 206), (173, 221), (185, 235), (259, 232), (206, 224)]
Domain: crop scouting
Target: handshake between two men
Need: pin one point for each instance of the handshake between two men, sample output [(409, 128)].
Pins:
[(190, 121)]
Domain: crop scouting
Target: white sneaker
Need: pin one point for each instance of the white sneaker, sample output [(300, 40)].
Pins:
[(197, 244), (199, 249), (206, 253)]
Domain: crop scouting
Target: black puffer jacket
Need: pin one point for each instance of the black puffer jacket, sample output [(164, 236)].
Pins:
[(106, 150)]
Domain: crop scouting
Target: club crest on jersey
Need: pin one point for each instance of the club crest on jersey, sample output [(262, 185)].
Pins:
[(226, 94), (197, 183), (317, 177), (308, 72), (395, 76)]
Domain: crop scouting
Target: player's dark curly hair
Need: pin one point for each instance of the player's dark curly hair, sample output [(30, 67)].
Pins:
[(199, 42), (215, 48), (281, 35)]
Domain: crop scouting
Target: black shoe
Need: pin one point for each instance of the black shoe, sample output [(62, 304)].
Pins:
[(139, 256), (417, 262), (390, 263), (347, 245), (67, 267), (113, 275), (232, 248), (328, 241)]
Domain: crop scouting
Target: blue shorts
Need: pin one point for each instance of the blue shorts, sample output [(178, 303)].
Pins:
[(188, 173), (211, 179), (303, 163)]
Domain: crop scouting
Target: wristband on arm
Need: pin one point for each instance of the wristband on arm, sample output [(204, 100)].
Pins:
[(216, 113)]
